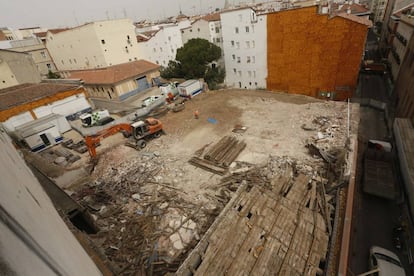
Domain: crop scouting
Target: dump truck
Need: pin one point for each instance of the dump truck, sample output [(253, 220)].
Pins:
[(96, 118), (378, 177), (139, 133)]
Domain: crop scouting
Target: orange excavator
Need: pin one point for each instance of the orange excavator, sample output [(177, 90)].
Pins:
[(140, 131)]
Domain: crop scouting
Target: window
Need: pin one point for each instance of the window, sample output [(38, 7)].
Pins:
[(233, 56), (49, 66), (240, 73), (247, 29), (157, 62), (253, 43), (253, 59), (169, 38), (160, 49), (198, 29), (247, 44), (128, 37), (217, 30), (236, 30), (74, 60), (42, 53), (249, 73), (254, 74), (103, 41), (238, 45), (232, 43), (191, 30), (240, 17), (238, 59), (234, 70), (217, 39), (62, 61), (248, 59)]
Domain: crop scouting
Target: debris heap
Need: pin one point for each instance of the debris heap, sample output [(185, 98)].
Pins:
[(219, 156)]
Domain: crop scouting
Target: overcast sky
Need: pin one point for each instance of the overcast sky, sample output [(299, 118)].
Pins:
[(17, 14)]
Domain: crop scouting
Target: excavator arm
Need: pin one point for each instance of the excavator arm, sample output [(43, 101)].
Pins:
[(93, 141)]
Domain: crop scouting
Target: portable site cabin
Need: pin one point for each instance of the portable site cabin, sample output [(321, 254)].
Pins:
[(190, 88), (43, 133)]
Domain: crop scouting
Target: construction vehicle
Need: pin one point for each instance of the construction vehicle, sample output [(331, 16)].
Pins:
[(138, 132)]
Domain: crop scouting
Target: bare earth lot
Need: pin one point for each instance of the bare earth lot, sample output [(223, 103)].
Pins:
[(153, 206)]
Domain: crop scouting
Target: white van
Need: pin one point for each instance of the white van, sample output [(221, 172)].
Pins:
[(383, 262)]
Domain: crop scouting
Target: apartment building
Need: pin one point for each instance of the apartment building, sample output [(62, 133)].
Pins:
[(207, 27), (244, 33), (378, 8), (17, 68), (93, 45), (399, 44), (159, 44), (34, 47)]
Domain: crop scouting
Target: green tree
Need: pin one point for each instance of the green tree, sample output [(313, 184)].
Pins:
[(192, 61)]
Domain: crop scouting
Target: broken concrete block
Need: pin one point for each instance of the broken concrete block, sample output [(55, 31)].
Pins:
[(136, 197), (178, 245)]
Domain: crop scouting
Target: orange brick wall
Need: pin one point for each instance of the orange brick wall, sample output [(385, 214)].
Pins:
[(308, 53), (6, 114)]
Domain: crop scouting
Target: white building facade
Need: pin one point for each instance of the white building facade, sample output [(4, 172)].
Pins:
[(94, 45), (161, 46), (378, 9), (245, 48)]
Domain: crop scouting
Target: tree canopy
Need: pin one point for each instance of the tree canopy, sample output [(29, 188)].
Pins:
[(192, 61)]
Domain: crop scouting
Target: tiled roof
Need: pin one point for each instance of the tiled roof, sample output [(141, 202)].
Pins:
[(356, 19), (116, 73), (355, 8), (212, 17), (30, 92)]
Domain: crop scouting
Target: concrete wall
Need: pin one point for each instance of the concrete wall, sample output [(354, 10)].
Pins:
[(94, 45), (34, 239), (310, 54), (245, 51), (17, 68)]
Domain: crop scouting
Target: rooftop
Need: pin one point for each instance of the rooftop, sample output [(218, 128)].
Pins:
[(116, 73), (29, 92)]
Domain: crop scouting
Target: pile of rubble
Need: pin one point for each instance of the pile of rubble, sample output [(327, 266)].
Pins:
[(145, 223)]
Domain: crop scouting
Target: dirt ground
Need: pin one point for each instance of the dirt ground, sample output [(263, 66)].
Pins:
[(156, 191), (273, 122)]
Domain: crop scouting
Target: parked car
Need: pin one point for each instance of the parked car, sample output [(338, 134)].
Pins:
[(383, 262)]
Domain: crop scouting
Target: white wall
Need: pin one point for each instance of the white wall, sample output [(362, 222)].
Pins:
[(18, 120), (245, 52), (162, 47), (94, 45), (65, 107), (34, 239), (199, 29)]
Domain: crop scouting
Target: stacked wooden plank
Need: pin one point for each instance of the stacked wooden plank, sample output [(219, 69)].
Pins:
[(219, 156), (275, 230)]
